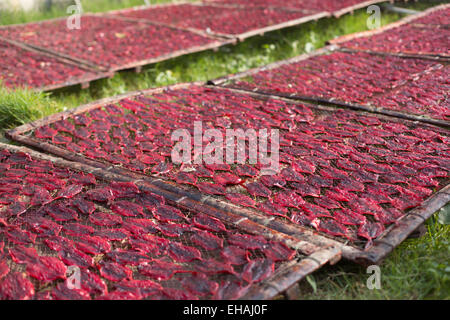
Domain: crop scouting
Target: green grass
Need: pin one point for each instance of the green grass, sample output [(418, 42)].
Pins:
[(21, 106), (418, 269)]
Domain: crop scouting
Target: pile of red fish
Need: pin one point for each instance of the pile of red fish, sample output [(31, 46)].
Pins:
[(343, 173), (106, 42), (407, 39), (116, 44), (313, 5), (174, 14), (126, 243), (359, 78), (429, 94), (20, 67), (230, 21), (437, 18), (348, 175)]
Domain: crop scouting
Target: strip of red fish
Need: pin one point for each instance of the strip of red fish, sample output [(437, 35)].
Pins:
[(25, 68), (412, 86), (223, 20), (106, 42)]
